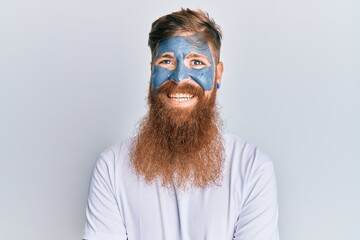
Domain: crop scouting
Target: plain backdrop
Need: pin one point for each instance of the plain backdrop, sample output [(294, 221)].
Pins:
[(74, 78)]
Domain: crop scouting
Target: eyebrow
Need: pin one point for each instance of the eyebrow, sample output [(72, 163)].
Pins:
[(165, 55), (198, 55)]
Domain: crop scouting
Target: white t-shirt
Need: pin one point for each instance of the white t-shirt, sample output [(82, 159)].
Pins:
[(122, 206)]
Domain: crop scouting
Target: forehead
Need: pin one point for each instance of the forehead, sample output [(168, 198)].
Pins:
[(182, 45)]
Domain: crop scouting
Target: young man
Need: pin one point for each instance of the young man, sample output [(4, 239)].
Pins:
[(181, 177)]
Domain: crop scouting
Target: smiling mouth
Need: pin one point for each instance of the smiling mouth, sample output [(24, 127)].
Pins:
[(180, 97)]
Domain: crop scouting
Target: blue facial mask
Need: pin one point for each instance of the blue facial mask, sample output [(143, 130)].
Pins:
[(180, 46)]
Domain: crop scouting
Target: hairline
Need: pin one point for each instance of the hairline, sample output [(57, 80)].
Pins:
[(214, 53)]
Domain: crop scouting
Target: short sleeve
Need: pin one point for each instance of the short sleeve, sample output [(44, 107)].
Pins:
[(258, 218), (103, 217)]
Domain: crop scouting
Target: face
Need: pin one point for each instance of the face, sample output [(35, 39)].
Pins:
[(184, 60), (179, 141)]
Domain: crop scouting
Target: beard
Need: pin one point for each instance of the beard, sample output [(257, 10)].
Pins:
[(180, 147)]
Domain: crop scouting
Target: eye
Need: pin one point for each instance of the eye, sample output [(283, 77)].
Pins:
[(197, 62), (166, 61)]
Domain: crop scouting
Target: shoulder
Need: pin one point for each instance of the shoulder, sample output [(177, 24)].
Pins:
[(245, 156), (116, 150), (116, 153), (113, 163)]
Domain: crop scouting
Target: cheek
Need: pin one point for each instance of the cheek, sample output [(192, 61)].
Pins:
[(159, 76), (204, 77)]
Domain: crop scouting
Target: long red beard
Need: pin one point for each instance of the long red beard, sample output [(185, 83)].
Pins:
[(179, 147)]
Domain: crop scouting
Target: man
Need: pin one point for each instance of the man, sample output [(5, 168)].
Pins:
[(181, 177)]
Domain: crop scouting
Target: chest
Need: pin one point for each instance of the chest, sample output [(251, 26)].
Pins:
[(154, 212)]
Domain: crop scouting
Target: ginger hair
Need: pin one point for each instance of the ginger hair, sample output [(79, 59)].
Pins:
[(186, 21)]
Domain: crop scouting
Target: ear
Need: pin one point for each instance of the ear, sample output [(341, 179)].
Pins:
[(219, 72)]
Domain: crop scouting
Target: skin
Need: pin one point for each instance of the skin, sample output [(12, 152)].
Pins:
[(193, 59)]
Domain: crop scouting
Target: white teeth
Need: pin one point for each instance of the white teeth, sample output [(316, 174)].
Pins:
[(180, 97)]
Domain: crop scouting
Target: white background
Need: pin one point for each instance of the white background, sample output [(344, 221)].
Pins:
[(74, 78)]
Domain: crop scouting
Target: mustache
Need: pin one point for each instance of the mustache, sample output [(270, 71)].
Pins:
[(171, 87)]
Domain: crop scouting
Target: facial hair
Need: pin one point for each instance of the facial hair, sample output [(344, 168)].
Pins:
[(180, 147)]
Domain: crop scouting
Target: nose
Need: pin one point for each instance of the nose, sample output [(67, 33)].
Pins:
[(180, 73)]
